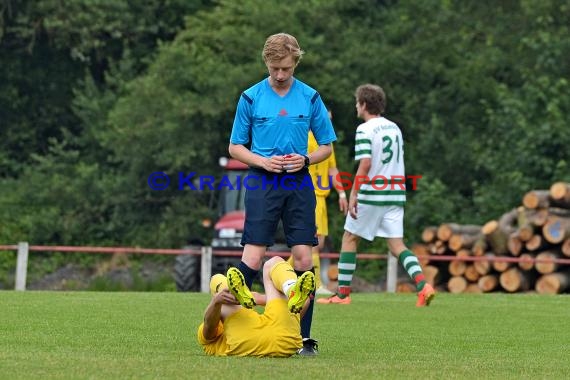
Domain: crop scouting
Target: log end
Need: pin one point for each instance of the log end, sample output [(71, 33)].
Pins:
[(559, 190), (490, 227), (457, 284)]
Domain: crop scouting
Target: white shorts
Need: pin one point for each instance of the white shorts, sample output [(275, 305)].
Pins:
[(372, 221)]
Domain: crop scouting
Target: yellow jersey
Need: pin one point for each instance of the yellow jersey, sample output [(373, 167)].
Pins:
[(320, 172), (274, 333)]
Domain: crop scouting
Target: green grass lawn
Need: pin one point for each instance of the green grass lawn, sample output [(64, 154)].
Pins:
[(80, 335)]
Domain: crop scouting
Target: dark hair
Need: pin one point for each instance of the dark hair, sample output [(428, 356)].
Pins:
[(373, 96)]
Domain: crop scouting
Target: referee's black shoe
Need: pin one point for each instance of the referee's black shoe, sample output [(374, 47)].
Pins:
[(310, 347)]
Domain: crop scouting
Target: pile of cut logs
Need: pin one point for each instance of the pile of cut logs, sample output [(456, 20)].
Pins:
[(526, 249)]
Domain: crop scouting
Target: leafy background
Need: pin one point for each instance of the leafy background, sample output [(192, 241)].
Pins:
[(98, 94)]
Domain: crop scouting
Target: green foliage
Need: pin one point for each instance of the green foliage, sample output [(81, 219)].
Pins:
[(66, 179), (7, 269), (433, 203), (71, 209), (45, 47), (97, 95)]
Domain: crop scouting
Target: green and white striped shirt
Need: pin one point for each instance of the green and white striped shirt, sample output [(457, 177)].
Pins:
[(381, 140)]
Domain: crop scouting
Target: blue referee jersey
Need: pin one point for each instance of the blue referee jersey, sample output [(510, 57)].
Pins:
[(279, 125)]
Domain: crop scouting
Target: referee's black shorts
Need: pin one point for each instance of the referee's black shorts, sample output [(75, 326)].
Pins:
[(271, 197)]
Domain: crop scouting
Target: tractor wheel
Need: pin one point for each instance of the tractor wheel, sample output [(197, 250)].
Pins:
[(187, 273)]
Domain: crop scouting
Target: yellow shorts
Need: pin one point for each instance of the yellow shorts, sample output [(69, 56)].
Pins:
[(321, 217)]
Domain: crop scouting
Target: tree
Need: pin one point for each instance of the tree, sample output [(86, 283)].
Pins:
[(62, 69), (477, 88)]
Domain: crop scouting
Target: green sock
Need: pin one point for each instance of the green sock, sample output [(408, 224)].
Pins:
[(346, 268), (410, 263)]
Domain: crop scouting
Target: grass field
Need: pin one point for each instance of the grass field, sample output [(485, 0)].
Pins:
[(91, 335)]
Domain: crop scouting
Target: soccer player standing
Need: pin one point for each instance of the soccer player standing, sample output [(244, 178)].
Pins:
[(378, 195), (275, 116)]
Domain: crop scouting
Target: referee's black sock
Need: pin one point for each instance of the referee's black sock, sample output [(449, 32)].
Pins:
[(307, 319), (248, 273)]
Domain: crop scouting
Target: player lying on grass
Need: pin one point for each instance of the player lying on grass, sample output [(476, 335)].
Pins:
[(232, 328)]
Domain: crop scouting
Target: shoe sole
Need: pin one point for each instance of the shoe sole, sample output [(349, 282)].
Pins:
[(333, 303), (307, 354), (237, 286), (327, 301), (428, 299), (304, 286)]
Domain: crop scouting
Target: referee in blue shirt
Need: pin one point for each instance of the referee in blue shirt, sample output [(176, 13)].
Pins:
[(275, 117)]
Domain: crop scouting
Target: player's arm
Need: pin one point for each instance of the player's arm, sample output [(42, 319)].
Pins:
[(241, 153), (213, 313), (322, 153), (339, 187), (360, 178), (260, 299), (323, 132)]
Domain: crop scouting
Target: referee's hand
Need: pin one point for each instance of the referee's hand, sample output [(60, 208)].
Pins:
[(293, 162), (274, 164)]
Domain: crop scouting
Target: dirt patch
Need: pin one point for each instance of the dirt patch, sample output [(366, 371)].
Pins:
[(65, 278), (118, 273)]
